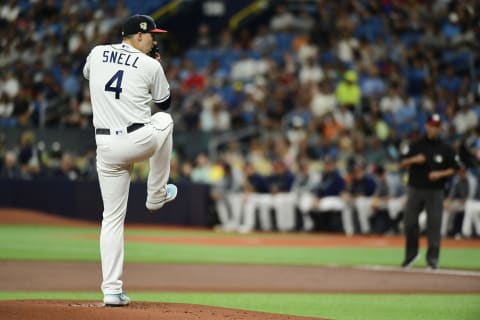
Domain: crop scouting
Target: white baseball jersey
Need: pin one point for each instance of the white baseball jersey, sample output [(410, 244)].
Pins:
[(123, 81)]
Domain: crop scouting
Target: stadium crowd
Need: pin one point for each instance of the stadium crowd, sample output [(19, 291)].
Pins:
[(331, 89)]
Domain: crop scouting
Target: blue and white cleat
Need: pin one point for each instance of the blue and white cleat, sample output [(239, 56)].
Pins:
[(171, 193)]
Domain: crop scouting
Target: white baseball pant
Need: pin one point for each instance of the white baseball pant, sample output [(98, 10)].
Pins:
[(229, 210), (116, 154), (449, 213), (252, 202), (471, 217), (329, 203)]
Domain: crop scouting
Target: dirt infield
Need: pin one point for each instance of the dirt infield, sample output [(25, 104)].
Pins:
[(81, 276), (91, 310)]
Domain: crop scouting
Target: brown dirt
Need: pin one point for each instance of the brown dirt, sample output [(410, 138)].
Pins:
[(77, 276), (91, 310)]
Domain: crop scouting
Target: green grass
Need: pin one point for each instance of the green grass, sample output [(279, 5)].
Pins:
[(334, 306), (81, 244), (42, 243)]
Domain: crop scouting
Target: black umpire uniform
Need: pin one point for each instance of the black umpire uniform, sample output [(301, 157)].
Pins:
[(430, 162)]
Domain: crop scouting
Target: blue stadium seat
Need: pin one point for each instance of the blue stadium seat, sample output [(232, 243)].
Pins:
[(142, 7), (409, 38), (284, 41), (370, 29), (460, 61)]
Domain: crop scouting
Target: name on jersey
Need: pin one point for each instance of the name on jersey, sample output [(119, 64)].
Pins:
[(119, 58)]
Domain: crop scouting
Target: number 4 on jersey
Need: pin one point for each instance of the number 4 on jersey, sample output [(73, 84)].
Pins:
[(115, 84)]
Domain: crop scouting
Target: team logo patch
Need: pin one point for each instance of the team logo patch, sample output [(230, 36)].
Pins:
[(405, 149), (143, 25), (438, 158)]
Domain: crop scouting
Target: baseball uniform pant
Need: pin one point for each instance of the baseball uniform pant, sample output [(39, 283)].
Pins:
[(116, 154), (253, 202), (432, 202), (363, 206), (284, 206), (229, 210), (329, 203), (471, 217), (449, 213)]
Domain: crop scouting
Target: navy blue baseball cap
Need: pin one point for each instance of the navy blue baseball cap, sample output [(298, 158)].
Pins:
[(140, 23)]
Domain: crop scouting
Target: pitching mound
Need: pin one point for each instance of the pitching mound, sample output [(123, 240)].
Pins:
[(61, 310)]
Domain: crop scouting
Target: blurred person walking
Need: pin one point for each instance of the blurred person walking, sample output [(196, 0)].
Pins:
[(123, 81), (430, 161)]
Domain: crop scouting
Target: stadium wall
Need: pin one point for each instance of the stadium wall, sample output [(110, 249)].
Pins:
[(81, 200)]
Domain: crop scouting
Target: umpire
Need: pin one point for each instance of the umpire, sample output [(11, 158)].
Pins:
[(430, 162)]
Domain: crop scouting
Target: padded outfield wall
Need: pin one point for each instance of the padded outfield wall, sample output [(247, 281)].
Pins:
[(81, 200)]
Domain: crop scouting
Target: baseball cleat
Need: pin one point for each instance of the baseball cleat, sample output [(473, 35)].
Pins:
[(171, 194), (410, 261), (116, 300), (432, 265)]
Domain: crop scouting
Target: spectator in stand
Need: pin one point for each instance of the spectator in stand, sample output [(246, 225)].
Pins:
[(67, 169), (194, 80), (331, 128), (323, 99), (450, 81), (346, 46), (74, 118), (372, 85), (306, 49), (310, 72), (9, 11), (70, 83), (28, 156), (264, 41), (214, 116), (244, 68), (465, 119), (282, 20), (202, 171), (6, 106), (10, 168), (348, 92), (345, 118), (204, 39), (392, 102), (11, 85)]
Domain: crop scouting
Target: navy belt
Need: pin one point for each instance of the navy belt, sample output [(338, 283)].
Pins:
[(130, 128)]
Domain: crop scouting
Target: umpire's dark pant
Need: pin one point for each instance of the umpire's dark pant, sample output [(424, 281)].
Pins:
[(432, 201)]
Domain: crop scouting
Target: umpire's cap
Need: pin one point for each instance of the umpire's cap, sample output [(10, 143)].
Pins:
[(434, 120), (139, 23)]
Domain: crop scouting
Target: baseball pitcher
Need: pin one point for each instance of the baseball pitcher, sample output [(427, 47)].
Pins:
[(123, 81)]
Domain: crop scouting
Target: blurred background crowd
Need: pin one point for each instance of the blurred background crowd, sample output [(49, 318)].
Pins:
[(302, 84)]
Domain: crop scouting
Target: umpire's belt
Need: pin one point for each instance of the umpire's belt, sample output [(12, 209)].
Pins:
[(130, 128)]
